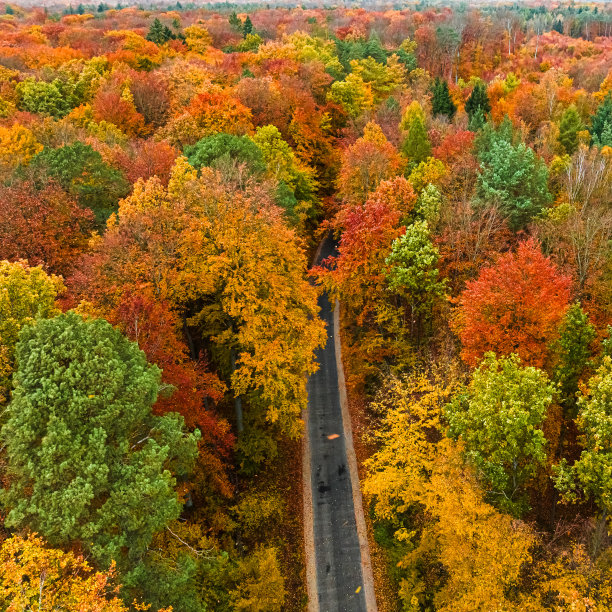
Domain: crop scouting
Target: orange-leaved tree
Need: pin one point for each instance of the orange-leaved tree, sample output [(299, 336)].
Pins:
[(514, 306), (366, 163)]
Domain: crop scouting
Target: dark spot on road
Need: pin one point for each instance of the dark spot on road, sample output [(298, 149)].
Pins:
[(341, 469), (324, 488)]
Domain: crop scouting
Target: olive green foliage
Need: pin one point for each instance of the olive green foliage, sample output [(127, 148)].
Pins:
[(81, 171), (55, 99), (569, 126), (590, 475), (416, 146), (260, 586), (573, 353), (26, 294), (498, 418), (88, 461)]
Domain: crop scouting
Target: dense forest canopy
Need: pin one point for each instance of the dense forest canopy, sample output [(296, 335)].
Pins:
[(166, 174)]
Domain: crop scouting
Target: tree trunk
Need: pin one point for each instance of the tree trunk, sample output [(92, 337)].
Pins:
[(192, 350)]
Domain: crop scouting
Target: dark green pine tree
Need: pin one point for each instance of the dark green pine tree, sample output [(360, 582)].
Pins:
[(235, 22), (247, 28), (157, 32), (602, 116), (478, 100), (441, 101), (373, 48), (569, 126), (558, 26)]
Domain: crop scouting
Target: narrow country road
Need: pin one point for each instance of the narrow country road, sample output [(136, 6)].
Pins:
[(337, 549)]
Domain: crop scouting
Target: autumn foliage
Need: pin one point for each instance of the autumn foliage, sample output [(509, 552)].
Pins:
[(514, 306)]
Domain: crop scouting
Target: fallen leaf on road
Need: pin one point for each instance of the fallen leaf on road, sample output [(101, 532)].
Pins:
[(358, 589), (333, 436)]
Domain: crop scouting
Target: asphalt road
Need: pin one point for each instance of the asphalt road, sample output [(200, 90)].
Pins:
[(336, 543)]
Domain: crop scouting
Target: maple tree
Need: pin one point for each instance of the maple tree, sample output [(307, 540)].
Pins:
[(501, 310)]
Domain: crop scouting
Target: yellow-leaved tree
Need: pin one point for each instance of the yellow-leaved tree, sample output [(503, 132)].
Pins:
[(234, 272), (459, 553)]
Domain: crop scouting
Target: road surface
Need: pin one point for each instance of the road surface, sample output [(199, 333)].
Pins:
[(337, 551)]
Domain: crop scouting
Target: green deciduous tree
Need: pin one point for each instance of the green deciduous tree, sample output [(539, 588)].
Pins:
[(81, 171), (413, 272), (26, 294), (222, 150), (573, 347), (88, 461), (498, 418), (590, 475), (55, 99)]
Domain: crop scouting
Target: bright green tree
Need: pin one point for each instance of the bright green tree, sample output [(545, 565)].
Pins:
[(55, 99), (285, 167), (515, 179), (590, 475), (573, 348), (89, 464), (26, 294), (498, 418), (412, 266), (569, 126), (416, 146), (353, 94), (441, 101)]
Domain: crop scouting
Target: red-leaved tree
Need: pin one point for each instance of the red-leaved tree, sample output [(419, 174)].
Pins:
[(514, 306)]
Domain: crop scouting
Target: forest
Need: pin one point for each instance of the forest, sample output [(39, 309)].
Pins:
[(166, 175)]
